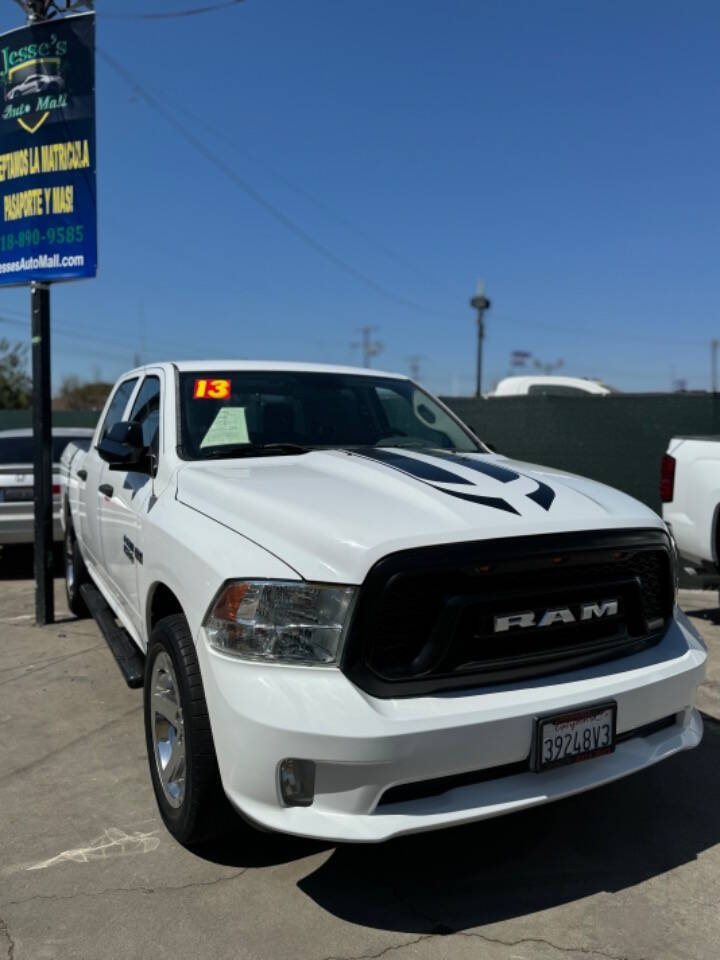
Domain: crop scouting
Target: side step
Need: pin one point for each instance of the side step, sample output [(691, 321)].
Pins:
[(129, 658)]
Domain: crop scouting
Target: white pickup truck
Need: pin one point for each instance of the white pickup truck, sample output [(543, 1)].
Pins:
[(690, 494), (352, 619)]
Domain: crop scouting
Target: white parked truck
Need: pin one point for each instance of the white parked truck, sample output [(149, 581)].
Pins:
[(690, 493), (549, 385), (351, 619)]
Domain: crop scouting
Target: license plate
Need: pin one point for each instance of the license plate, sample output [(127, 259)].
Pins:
[(16, 494), (572, 737)]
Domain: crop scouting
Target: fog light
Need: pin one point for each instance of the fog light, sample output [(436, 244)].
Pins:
[(297, 782)]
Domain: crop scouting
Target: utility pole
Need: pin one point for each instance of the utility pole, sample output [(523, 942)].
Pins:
[(714, 344), (414, 365), (480, 303), (370, 348)]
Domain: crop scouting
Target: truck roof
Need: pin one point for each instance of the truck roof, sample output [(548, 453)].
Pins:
[(186, 366)]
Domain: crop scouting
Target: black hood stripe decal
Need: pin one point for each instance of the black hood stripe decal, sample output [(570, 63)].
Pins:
[(497, 502), (494, 470), (420, 469), (543, 496), (430, 474)]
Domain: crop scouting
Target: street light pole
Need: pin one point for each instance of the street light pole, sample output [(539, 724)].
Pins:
[(480, 303), (714, 344)]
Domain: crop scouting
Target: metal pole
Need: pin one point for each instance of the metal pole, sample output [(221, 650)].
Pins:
[(481, 304), (714, 344), (43, 459), (37, 11)]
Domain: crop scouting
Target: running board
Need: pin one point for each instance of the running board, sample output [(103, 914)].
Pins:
[(127, 655)]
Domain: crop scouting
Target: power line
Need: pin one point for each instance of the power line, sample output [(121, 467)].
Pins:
[(170, 14), (321, 205), (274, 211), (593, 334), (123, 347), (153, 103)]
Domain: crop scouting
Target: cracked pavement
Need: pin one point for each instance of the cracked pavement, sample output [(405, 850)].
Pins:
[(87, 871)]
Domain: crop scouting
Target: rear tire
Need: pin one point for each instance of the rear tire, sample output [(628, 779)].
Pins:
[(180, 748), (75, 573)]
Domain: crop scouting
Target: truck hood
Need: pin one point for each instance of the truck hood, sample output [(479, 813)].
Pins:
[(331, 514)]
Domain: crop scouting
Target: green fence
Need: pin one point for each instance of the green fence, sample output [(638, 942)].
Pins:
[(617, 439), (16, 419)]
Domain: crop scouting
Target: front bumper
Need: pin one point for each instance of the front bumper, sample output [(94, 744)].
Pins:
[(362, 746)]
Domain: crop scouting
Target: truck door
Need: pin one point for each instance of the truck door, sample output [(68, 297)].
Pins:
[(94, 469), (123, 511)]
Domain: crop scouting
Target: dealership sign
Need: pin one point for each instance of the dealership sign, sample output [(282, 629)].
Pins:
[(48, 230)]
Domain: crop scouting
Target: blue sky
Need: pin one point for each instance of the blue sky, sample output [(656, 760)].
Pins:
[(565, 152)]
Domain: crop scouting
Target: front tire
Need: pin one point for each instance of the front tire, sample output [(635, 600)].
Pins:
[(75, 573), (180, 747)]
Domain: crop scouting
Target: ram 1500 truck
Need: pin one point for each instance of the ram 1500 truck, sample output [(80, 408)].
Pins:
[(352, 619), (690, 494)]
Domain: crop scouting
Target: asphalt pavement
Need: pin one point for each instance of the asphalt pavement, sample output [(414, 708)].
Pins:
[(88, 872)]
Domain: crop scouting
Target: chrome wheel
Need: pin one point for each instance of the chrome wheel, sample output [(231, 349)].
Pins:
[(168, 729)]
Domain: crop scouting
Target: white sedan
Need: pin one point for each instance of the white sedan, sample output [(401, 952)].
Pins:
[(16, 481)]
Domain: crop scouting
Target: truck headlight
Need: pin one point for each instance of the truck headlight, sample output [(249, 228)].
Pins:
[(280, 622)]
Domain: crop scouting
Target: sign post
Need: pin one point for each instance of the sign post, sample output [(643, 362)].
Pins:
[(48, 231), (42, 454)]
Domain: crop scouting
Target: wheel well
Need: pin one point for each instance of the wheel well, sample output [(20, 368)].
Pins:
[(163, 603)]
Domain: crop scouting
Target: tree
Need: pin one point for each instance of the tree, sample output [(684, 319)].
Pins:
[(15, 384), (75, 394)]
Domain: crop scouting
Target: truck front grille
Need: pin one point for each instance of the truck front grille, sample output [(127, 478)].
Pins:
[(427, 619)]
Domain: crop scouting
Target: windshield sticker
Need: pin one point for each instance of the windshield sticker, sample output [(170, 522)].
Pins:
[(228, 428), (211, 390)]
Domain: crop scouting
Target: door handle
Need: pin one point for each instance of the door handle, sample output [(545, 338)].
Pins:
[(82, 474), (106, 489)]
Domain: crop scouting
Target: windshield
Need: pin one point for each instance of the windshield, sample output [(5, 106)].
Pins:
[(20, 449), (222, 413)]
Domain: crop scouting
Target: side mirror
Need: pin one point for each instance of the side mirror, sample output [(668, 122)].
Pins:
[(123, 448)]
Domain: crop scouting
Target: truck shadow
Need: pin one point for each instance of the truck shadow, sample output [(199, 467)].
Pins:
[(608, 839), (712, 615)]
